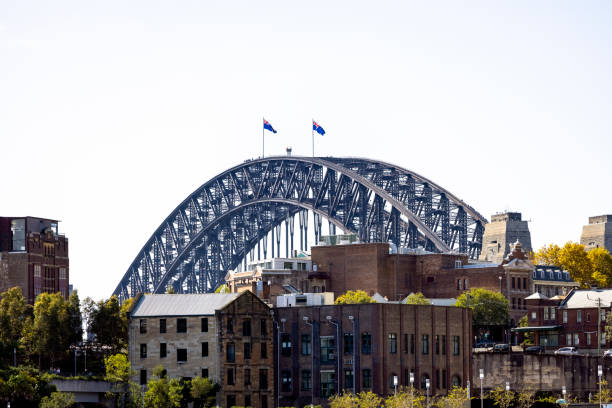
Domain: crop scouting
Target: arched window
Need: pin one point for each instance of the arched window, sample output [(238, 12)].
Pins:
[(456, 381)]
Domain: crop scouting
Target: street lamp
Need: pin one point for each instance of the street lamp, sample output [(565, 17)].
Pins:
[(352, 319), (507, 386), (411, 389), (563, 391), (481, 378), (305, 318), (330, 320), (427, 390), (599, 374), (395, 384)]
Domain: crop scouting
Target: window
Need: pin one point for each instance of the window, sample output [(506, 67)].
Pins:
[(545, 313), (588, 338), (456, 381), (205, 349), (285, 344), (263, 379), (425, 344), (162, 325), (524, 283), (230, 352), (246, 328), (163, 351), (553, 313), (247, 400), (264, 401), (264, 350), (306, 380), (366, 343), (348, 378), (264, 327), (603, 339), (205, 373), (143, 326), (181, 355), (230, 376), (568, 339), (456, 348), (534, 315), (437, 344), (37, 271), (443, 378), (412, 344), (459, 284), (286, 381), (443, 345), (143, 377), (306, 346), (513, 282), (230, 325), (465, 284), (204, 324), (328, 384), (514, 303), (602, 315), (392, 343), (437, 378), (247, 351), (181, 325), (348, 343), (565, 316), (579, 316), (576, 339), (247, 376), (62, 273), (366, 378), (231, 400), (328, 346), (405, 343), (588, 317), (143, 351)]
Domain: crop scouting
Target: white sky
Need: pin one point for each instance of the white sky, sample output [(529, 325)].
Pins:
[(112, 112)]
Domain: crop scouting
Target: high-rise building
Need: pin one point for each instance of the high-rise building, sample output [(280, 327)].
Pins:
[(598, 233), (503, 231), (33, 256)]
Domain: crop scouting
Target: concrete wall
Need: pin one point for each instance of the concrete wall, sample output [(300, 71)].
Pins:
[(542, 372)]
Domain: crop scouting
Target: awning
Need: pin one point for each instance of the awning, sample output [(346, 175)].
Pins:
[(535, 328)]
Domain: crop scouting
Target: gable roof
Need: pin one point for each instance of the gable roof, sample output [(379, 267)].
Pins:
[(536, 295), (153, 305), (588, 298)]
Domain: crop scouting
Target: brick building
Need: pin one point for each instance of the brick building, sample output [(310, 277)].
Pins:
[(33, 256), (324, 349), (552, 281), (570, 321), (226, 337)]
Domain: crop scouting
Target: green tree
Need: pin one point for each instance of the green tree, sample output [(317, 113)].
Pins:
[(75, 318), (525, 398), (23, 386), (548, 255), (163, 393), (456, 398), (527, 340), (575, 260), (353, 297), (51, 328), (223, 289), (344, 400), (501, 397), (406, 397), (107, 320), (601, 261), (203, 392), (58, 400), (488, 307), (417, 299), (14, 313), (369, 400), (606, 395), (119, 373)]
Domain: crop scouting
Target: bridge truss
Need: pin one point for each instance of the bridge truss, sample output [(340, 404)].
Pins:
[(234, 214)]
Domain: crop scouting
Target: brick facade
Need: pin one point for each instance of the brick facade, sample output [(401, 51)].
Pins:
[(387, 340)]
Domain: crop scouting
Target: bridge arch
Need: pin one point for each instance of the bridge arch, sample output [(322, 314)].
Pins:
[(222, 222)]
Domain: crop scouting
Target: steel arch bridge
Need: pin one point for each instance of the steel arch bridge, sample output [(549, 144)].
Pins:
[(222, 222)]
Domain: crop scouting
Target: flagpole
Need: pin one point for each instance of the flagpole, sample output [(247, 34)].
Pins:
[(263, 140), (312, 126)]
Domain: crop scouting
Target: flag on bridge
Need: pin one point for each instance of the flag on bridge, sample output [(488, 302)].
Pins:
[(317, 128), (268, 126)]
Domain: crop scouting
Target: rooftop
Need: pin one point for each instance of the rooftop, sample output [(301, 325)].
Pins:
[(151, 305), (587, 298)]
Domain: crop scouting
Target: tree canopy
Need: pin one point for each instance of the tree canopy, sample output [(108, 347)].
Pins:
[(488, 307), (417, 299), (587, 268), (108, 321), (353, 297)]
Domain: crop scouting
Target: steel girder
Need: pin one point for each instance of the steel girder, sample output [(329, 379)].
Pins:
[(217, 225)]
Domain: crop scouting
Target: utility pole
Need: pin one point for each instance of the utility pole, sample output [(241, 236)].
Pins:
[(598, 328)]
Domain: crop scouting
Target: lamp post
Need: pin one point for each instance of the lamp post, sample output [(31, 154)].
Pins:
[(312, 363), (481, 378), (467, 389), (330, 320), (278, 379), (352, 319), (507, 386), (411, 389), (427, 390), (395, 384), (599, 374), (563, 391), (75, 361)]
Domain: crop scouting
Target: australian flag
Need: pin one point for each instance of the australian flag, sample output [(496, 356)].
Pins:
[(317, 128), (268, 126)]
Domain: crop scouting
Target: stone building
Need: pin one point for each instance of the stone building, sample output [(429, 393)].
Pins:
[(33, 256), (598, 233), (362, 347), (503, 230), (226, 337)]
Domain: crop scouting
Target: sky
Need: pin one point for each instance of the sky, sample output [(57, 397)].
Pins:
[(112, 112)]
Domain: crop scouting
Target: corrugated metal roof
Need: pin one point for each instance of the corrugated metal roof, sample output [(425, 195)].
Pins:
[(583, 299), (182, 304)]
